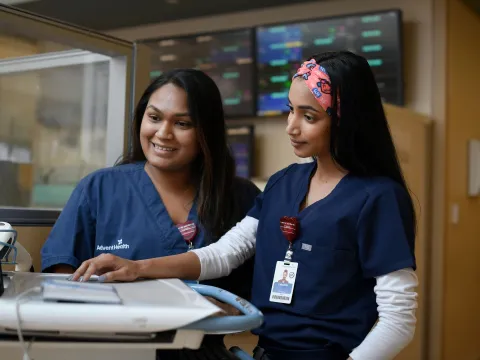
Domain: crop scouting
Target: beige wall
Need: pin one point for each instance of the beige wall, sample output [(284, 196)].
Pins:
[(412, 135), (435, 249), (461, 330)]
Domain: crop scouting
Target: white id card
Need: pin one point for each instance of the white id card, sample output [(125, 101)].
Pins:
[(283, 282)]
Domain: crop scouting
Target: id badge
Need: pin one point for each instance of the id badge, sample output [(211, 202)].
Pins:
[(283, 282)]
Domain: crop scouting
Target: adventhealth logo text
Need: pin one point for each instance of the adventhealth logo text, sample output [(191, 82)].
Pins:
[(119, 246)]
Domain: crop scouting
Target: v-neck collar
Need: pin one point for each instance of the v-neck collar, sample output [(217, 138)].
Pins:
[(156, 206), (304, 187)]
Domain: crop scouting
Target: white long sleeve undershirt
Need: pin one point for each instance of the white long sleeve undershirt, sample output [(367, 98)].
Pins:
[(395, 292)]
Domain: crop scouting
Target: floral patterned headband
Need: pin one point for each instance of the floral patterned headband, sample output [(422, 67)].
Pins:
[(318, 82)]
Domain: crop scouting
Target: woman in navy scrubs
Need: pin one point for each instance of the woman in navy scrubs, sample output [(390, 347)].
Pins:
[(179, 175), (342, 229)]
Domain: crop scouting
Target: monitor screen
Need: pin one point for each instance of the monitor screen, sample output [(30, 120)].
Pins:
[(282, 48), (241, 142), (227, 57)]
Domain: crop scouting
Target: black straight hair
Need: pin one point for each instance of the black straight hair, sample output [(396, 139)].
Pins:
[(214, 168), (360, 140)]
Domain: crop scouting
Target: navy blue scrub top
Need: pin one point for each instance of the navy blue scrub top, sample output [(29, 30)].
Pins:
[(118, 210), (361, 230)]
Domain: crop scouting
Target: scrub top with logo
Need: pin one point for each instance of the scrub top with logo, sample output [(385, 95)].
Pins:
[(363, 229), (118, 210)]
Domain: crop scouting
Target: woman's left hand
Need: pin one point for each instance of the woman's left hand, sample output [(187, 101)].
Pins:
[(109, 268), (229, 310)]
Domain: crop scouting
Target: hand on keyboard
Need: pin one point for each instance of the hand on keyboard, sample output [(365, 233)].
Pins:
[(93, 278)]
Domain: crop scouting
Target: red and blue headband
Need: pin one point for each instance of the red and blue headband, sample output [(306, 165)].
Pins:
[(318, 82)]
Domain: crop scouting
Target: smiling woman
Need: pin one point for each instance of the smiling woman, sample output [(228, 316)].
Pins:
[(175, 189), (168, 136), (179, 129)]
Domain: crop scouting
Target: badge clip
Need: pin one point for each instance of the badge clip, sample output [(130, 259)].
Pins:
[(290, 228), (188, 230)]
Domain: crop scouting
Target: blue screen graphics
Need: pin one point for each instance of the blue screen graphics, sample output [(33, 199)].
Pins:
[(241, 142), (242, 156), (282, 48)]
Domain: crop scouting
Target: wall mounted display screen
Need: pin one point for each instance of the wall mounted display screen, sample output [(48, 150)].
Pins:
[(241, 142), (282, 48), (227, 57)]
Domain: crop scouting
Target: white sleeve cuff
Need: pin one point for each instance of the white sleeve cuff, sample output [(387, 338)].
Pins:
[(397, 303), (230, 251)]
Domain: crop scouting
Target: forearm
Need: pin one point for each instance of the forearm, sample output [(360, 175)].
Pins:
[(231, 251), (397, 302), (183, 266), (213, 261)]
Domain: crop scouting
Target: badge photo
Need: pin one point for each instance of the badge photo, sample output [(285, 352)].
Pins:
[(283, 282)]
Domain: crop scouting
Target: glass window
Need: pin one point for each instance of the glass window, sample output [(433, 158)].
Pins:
[(54, 123), (66, 95)]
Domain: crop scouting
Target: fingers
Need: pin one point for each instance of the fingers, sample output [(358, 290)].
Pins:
[(98, 265), (226, 308), (122, 274), (91, 270), (81, 270)]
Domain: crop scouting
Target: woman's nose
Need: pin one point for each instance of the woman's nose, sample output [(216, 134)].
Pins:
[(164, 131), (292, 125)]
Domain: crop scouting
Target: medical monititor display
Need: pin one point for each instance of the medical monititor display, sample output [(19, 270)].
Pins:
[(282, 48), (227, 57), (241, 142)]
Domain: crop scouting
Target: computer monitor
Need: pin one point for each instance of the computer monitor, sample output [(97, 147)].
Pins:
[(227, 57), (241, 142), (282, 48)]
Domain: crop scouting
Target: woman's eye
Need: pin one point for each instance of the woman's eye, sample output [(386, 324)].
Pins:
[(183, 124), (153, 117), (308, 117)]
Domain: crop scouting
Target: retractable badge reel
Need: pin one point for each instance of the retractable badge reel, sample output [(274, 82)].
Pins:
[(188, 230), (286, 270)]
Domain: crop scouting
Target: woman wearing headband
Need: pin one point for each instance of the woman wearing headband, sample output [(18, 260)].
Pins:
[(342, 228)]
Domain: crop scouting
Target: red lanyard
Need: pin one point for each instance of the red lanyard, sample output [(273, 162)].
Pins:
[(188, 230), (290, 227)]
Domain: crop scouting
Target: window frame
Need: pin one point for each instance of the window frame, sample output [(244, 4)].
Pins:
[(126, 56)]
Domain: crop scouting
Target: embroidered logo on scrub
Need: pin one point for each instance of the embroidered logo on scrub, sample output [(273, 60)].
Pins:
[(118, 246), (306, 247)]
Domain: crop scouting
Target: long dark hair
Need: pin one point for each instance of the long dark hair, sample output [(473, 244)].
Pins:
[(360, 140), (214, 169)]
